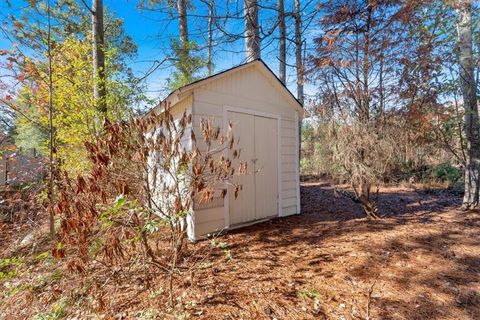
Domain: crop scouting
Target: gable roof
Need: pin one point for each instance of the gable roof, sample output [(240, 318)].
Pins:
[(181, 92)]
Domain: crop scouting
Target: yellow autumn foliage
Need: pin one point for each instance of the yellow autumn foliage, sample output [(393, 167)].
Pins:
[(75, 119)]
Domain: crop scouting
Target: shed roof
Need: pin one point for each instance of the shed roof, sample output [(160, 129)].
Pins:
[(181, 92)]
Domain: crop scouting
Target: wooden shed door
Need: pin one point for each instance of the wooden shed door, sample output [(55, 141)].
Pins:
[(257, 139), (266, 154), (242, 208)]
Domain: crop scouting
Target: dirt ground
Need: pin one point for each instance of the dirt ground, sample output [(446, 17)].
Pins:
[(421, 261)]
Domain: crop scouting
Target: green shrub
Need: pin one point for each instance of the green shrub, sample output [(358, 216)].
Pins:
[(445, 172)]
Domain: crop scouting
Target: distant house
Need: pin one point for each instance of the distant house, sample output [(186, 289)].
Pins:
[(18, 166), (265, 117)]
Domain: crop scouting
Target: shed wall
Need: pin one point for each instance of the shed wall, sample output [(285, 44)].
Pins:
[(177, 111)]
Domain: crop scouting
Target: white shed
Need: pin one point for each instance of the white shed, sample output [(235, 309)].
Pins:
[(265, 117)]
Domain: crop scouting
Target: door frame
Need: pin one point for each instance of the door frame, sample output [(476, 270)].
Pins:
[(253, 112)]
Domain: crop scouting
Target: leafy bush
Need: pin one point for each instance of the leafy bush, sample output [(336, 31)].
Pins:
[(445, 172), (133, 205)]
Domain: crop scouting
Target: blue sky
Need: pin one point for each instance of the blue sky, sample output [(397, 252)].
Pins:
[(152, 30)]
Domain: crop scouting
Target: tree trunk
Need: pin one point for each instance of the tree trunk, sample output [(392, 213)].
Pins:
[(381, 108), (298, 62), (298, 50), (364, 196), (182, 24), (99, 87), (210, 37), (51, 150), (468, 86), (282, 51), (252, 35), (364, 115)]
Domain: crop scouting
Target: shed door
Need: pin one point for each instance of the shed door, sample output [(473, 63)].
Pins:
[(242, 208), (257, 139), (266, 154)]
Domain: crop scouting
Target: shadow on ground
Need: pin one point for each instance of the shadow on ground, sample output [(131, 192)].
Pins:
[(421, 261)]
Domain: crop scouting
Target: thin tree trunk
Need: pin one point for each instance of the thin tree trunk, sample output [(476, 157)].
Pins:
[(382, 95), (365, 110), (182, 24), (468, 86), (299, 63), (99, 88), (282, 51), (210, 37), (252, 34), (184, 41), (50, 125), (298, 50)]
